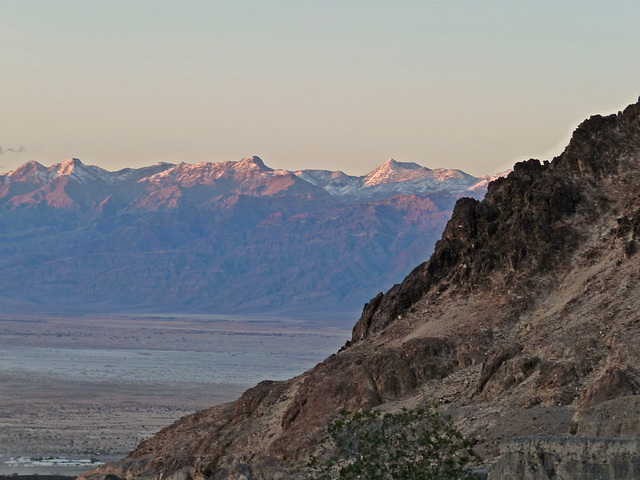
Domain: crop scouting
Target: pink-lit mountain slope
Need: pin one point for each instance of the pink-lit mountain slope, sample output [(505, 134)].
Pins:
[(216, 237)]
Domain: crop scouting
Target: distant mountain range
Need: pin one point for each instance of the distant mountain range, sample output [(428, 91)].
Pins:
[(226, 237)]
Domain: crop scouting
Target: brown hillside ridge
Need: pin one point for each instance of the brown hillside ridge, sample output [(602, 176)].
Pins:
[(525, 321)]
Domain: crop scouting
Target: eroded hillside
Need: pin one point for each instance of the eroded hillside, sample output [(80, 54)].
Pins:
[(525, 321)]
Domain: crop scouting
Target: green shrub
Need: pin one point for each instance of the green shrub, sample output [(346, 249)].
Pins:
[(409, 445)]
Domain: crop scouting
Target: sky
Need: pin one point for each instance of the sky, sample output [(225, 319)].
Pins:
[(339, 85)]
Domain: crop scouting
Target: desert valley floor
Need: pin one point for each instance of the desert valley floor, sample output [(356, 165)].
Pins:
[(87, 387)]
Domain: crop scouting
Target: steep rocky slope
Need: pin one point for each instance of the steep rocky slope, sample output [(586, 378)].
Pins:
[(525, 321), (215, 237)]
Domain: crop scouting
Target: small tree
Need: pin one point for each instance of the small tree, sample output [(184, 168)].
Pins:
[(409, 445)]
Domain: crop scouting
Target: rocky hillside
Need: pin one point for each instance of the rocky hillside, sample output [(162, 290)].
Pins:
[(525, 321), (215, 237)]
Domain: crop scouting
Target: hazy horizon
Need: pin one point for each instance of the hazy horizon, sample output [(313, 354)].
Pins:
[(331, 85)]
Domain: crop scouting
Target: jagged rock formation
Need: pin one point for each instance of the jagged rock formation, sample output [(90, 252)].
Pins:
[(215, 237), (525, 321)]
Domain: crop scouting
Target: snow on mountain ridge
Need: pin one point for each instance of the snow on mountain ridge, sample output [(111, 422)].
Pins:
[(483, 182), (393, 172), (136, 174), (391, 178), (336, 183), (68, 167), (207, 172), (30, 171), (250, 174), (76, 170), (327, 179), (72, 169)]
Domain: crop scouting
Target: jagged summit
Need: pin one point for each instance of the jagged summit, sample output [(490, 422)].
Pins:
[(69, 166), (253, 163), (392, 171)]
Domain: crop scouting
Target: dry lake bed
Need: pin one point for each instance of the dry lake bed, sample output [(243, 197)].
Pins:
[(81, 389)]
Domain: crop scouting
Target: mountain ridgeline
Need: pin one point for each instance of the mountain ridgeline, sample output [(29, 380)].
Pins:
[(215, 237), (524, 322)]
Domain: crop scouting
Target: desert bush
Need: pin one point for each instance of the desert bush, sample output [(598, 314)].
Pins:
[(410, 445)]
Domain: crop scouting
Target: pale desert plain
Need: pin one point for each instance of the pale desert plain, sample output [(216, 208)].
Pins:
[(82, 389)]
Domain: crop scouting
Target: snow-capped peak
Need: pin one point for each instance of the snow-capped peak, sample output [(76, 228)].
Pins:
[(251, 163), (483, 182), (69, 166), (30, 171), (392, 172), (74, 169), (394, 164)]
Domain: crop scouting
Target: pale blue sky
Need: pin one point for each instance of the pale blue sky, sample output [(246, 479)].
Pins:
[(475, 85)]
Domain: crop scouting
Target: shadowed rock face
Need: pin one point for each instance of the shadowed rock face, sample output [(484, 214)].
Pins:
[(527, 308)]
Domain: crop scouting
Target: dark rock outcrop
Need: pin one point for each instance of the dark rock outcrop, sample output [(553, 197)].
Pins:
[(494, 361)]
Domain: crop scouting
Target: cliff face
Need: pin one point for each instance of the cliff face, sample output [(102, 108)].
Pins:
[(557, 458), (525, 321)]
